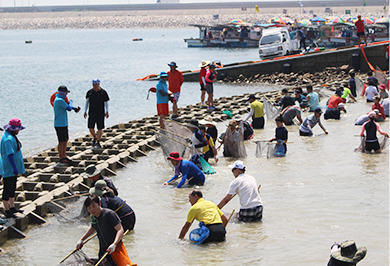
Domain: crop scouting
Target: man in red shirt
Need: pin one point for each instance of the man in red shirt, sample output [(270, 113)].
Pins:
[(202, 76), (360, 30), (175, 79), (335, 99)]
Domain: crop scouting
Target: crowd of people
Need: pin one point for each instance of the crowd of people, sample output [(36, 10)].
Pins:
[(112, 216)]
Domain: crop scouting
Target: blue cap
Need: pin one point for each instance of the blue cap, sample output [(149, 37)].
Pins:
[(163, 74), (96, 81)]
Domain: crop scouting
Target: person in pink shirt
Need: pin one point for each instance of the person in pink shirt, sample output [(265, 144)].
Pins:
[(202, 80), (377, 105), (371, 127), (210, 78)]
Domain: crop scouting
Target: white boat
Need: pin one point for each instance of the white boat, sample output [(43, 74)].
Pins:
[(226, 35)]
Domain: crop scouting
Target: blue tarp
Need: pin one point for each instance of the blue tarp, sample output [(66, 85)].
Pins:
[(318, 19)]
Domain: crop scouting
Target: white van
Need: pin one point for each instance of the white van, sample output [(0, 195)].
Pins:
[(276, 42)]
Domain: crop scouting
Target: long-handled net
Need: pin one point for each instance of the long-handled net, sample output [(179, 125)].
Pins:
[(359, 86), (265, 148), (67, 213), (383, 144), (270, 111), (380, 76), (234, 143), (78, 258)]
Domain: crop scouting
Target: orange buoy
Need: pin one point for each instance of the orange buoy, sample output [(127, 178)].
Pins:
[(53, 97)]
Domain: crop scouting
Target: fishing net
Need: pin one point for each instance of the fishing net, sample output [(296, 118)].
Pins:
[(359, 86), (171, 141), (78, 258), (270, 111), (73, 211), (265, 148), (380, 76), (234, 143), (383, 144), (177, 128)]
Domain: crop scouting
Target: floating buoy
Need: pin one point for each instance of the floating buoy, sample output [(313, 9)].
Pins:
[(28, 41), (137, 39)]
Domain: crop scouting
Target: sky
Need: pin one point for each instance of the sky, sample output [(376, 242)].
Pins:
[(18, 3)]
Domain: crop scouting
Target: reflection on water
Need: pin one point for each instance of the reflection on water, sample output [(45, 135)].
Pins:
[(321, 192)]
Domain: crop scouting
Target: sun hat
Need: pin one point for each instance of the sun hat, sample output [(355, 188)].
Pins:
[(238, 118), (175, 156), (232, 124), (372, 114), (63, 88), (376, 111), (382, 87), (348, 252), (91, 170), (341, 105), (14, 124), (192, 124), (98, 189), (204, 63), (95, 81), (252, 96), (237, 164), (172, 64), (208, 120), (318, 110), (163, 74)]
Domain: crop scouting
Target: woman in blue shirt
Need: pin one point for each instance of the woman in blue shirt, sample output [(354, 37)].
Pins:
[(13, 165)]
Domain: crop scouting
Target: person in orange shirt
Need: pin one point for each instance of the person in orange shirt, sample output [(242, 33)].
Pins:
[(335, 99), (175, 80), (360, 30)]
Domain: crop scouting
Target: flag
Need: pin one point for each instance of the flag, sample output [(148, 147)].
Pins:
[(332, 28), (215, 16), (304, 11), (257, 9), (301, 5), (364, 2)]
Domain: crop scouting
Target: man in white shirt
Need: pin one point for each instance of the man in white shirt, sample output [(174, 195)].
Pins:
[(245, 186)]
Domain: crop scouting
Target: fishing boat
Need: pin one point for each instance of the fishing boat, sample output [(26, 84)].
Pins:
[(243, 35)]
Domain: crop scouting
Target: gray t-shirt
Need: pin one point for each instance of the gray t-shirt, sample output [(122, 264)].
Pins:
[(290, 113), (105, 228), (361, 120), (385, 104), (312, 120)]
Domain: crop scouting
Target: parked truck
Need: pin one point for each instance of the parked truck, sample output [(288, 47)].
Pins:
[(276, 42)]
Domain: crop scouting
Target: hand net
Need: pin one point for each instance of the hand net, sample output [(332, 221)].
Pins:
[(270, 111)]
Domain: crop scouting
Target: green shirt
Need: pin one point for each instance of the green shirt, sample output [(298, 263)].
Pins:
[(258, 109), (346, 93)]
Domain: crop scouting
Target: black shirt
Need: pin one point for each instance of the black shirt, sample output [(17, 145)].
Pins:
[(105, 228), (281, 133), (96, 101), (213, 132), (113, 203), (286, 101)]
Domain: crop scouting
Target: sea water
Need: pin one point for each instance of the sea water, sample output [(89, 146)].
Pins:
[(320, 193)]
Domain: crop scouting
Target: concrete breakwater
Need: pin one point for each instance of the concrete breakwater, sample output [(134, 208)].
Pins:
[(46, 180)]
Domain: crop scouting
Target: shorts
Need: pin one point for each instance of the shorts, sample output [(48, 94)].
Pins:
[(251, 214), (62, 134), (128, 221), (217, 233), (360, 33), (258, 123), (202, 88), (162, 109), (9, 187), (96, 119), (209, 88), (372, 146), (305, 134), (177, 96)]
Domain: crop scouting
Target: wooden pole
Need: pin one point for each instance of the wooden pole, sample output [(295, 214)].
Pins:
[(229, 218), (69, 197), (107, 251)]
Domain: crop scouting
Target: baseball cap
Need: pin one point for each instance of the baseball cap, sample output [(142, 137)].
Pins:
[(172, 64), (237, 164), (95, 81), (63, 88)]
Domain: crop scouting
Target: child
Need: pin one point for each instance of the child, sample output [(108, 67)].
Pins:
[(281, 133), (209, 150)]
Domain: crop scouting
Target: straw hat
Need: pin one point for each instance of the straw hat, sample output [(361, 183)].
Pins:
[(208, 120), (348, 252), (204, 63), (91, 170)]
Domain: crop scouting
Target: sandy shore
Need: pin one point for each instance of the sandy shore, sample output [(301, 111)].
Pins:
[(159, 19)]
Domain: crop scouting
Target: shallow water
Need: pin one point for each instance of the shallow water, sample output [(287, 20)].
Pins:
[(321, 192)]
